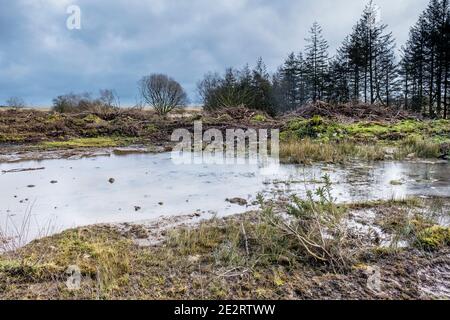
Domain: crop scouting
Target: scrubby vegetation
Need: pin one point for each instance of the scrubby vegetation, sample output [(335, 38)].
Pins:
[(303, 140), (312, 252), (107, 102), (99, 142), (319, 139)]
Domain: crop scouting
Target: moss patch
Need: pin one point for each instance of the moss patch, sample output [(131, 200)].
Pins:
[(434, 237), (319, 139), (99, 142), (259, 118), (240, 257)]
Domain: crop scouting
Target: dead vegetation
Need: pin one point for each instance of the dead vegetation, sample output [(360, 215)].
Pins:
[(33, 126), (304, 139), (302, 250), (351, 112)]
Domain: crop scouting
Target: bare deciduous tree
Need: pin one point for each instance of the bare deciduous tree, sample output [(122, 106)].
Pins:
[(162, 93), (15, 103), (109, 98)]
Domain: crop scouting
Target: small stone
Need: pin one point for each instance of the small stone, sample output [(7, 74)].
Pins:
[(53, 182), (396, 183), (161, 203), (31, 186), (111, 180), (239, 201), (389, 151), (137, 208), (194, 259), (283, 260)]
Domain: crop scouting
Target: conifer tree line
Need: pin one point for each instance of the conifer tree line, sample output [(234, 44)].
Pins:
[(367, 68)]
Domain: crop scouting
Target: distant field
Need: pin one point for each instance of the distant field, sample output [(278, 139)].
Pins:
[(42, 108)]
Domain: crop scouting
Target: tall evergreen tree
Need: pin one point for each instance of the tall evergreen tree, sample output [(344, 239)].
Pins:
[(262, 88), (316, 62), (424, 66), (293, 81), (368, 56)]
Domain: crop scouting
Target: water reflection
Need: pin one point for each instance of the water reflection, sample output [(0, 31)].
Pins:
[(83, 194)]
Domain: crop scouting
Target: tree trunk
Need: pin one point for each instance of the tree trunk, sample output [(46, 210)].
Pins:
[(446, 90), (431, 87)]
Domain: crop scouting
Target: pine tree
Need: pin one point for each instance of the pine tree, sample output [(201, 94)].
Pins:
[(425, 62), (316, 63), (293, 82), (262, 94), (369, 56)]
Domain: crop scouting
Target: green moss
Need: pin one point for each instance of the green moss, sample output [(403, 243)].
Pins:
[(54, 118), (91, 251), (12, 138), (315, 128), (365, 130), (101, 253), (259, 118), (437, 130), (407, 138), (99, 142), (434, 237), (27, 271), (92, 118)]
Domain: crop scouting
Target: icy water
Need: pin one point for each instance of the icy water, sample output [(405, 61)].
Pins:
[(70, 193)]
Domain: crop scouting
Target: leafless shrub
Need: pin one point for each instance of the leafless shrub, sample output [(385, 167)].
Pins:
[(14, 235), (15, 103), (109, 98), (162, 93), (105, 106)]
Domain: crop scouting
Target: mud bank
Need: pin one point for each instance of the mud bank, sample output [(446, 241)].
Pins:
[(12, 154), (183, 258)]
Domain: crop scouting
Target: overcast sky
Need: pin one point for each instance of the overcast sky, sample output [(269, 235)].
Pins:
[(122, 40)]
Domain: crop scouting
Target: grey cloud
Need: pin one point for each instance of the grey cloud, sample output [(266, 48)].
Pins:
[(121, 40)]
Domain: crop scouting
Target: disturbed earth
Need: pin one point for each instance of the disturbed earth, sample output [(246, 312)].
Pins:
[(357, 209)]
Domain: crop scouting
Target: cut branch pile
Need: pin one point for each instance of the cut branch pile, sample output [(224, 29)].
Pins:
[(353, 112)]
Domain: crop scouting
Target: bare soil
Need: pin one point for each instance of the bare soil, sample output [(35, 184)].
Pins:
[(148, 261)]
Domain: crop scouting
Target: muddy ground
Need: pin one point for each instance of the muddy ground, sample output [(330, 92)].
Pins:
[(402, 251), (33, 134), (184, 258)]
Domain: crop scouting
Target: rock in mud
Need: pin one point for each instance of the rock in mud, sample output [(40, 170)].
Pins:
[(239, 201), (396, 183)]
